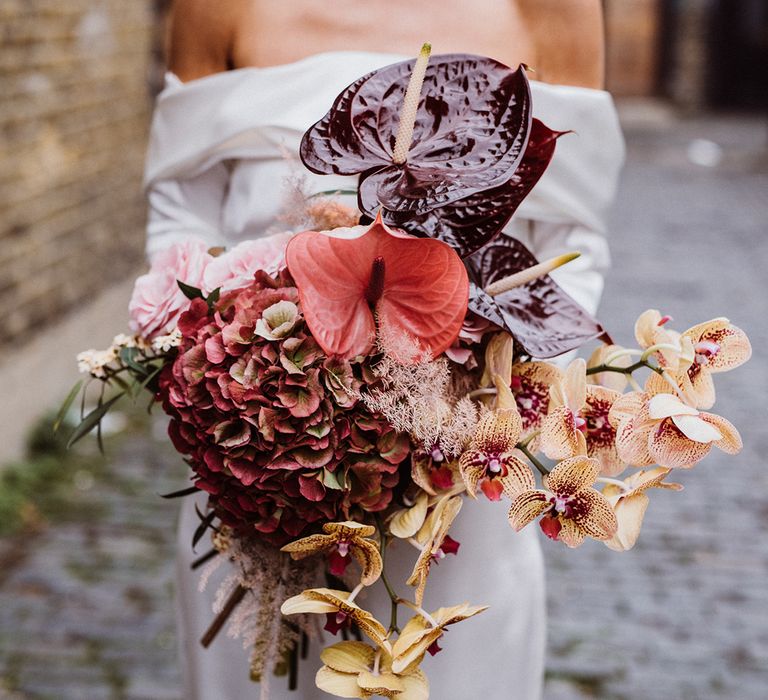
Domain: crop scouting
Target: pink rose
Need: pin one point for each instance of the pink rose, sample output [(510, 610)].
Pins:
[(157, 301), (235, 268)]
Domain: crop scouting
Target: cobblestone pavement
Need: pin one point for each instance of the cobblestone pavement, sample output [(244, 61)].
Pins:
[(85, 611)]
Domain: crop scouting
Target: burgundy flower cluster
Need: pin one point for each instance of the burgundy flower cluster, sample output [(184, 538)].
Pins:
[(273, 427)]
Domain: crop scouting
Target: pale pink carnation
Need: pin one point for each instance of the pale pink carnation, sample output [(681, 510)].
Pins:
[(235, 268), (157, 301)]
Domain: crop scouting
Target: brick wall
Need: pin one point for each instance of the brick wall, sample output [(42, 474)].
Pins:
[(74, 111), (633, 36)]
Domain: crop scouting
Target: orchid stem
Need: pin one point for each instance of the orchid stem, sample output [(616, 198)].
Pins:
[(393, 597), (659, 346), (597, 369), (530, 438), (355, 591), (535, 462), (431, 620), (621, 352)]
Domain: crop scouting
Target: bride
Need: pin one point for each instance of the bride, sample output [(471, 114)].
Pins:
[(246, 79)]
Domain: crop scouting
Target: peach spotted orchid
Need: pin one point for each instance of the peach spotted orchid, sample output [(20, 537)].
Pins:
[(718, 346), (577, 422), (341, 541), (357, 670), (326, 601), (651, 331), (629, 502), (570, 507), (655, 427), (530, 384), (422, 632), (434, 542), (489, 462)]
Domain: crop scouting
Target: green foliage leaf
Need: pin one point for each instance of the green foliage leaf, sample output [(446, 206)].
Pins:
[(128, 357), (213, 297), (71, 396), (189, 291), (93, 419)]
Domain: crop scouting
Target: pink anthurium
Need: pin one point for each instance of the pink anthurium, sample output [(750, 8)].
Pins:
[(416, 287)]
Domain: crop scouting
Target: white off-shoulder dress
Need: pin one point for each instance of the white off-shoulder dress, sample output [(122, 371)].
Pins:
[(222, 151)]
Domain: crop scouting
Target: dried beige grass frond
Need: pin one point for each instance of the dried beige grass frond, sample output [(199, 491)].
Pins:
[(420, 398), (301, 211), (271, 577)]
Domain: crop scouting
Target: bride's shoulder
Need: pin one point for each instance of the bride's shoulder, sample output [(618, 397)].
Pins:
[(201, 35)]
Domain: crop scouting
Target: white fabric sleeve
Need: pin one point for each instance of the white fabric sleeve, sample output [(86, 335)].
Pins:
[(184, 208)]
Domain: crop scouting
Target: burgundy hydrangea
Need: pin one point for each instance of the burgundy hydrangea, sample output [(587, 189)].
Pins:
[(273, 427)]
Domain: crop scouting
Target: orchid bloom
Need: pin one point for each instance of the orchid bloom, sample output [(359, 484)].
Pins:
[(435, 475), (651, 330), (351, 279), (406, 522), (357, 670), (577, 422), (571, 508), (340, 541), (654, 427), (717, 346), (531, 383), (489, 460), (421, 633), (432, 537), (325, 601), (630, 503)]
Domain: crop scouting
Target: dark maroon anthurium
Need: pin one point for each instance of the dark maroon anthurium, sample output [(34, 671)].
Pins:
[(542, 318), (469, 223), (471, 130)]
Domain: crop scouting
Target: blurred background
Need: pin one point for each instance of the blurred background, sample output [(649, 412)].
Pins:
[(86, 544)]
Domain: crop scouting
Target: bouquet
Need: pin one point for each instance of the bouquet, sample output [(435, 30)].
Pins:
[(339, 388)]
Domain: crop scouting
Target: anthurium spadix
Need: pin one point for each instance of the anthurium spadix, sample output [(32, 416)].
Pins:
[(351, 279)]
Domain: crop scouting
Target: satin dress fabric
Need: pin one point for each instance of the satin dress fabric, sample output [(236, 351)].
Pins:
[(222, 162)]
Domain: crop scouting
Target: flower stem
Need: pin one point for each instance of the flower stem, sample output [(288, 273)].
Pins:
[(535, 462), (659, 346), (530, 438), (629, 369), (393, 597), (621, 352)]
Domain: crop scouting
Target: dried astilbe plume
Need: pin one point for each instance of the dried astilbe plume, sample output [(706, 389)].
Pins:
[(303, 211), (419, 398), (269, 577)]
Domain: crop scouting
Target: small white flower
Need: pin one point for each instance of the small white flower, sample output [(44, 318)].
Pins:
[(93, 362), (163, 343), (121, 340)]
